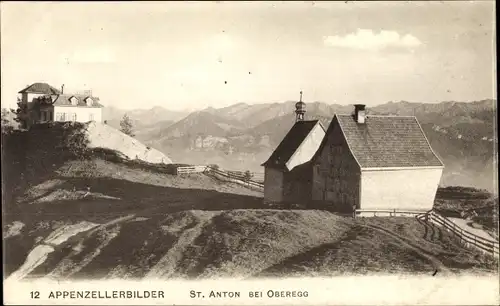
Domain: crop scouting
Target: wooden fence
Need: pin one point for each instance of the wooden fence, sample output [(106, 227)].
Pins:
[(387, 212), (488, 246), (254, 176), (190, 169), (234, 176)]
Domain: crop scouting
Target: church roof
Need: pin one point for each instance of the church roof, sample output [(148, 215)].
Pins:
[(290, 144)]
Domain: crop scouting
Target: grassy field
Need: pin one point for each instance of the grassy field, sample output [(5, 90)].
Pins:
[(80, 216), (154, 225)]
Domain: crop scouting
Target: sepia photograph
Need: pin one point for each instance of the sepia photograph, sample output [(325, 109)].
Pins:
[(249, 152)]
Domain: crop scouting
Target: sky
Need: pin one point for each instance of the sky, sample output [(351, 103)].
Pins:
[(191, 55)]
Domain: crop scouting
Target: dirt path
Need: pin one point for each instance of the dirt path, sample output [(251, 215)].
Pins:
[(54, 241), (166, 266), (57, 240), (436, 263), (464, 224)]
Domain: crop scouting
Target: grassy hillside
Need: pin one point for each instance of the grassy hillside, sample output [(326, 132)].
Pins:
[(70, 212), (452, 201), (84, 218), (175, 232)]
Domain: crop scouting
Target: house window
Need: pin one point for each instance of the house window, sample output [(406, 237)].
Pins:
[(42, 116), (51, 116), (63, 117), (73, 116), (91, 117)]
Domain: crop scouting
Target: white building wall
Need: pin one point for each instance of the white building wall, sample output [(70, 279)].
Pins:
[(307, 148), (83, 114), (410, 189), (273, 185)]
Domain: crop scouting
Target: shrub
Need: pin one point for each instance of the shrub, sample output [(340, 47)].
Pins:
[(126, 126), (248, 175), (214, 166)]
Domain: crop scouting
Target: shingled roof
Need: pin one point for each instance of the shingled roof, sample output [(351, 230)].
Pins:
[(290, 144), (41, 88), (388, 141), (65, 100)]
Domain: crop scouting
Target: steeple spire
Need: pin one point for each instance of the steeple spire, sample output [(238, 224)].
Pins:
[(300, 109)]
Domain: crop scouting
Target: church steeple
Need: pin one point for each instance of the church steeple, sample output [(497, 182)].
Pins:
[(300, 109)]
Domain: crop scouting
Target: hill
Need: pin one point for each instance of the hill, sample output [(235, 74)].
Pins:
[(196, 227), (28, 157), (70, 211), (103, 136)]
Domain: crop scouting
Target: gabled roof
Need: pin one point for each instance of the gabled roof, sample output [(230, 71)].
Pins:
[(387, 141), (41, 88), (64, 99), (290, 144)]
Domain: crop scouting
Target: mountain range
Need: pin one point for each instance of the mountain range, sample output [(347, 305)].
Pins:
[(242, 136)]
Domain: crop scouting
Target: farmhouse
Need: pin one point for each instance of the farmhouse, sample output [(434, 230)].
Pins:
[(44, 103), (368, 163), (287, 175)]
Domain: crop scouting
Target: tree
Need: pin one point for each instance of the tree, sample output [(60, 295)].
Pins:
[(6, 124), (126, 126), (248, 176), (21, 114)]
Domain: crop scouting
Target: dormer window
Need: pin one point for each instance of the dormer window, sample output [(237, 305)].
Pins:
[(89, 101), (73, 100)]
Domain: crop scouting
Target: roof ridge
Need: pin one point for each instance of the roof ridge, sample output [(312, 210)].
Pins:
[(393, 116), (383, 116), (396, 141)]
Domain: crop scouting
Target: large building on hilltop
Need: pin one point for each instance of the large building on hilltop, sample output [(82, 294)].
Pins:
[(362, 162), (45, 103)]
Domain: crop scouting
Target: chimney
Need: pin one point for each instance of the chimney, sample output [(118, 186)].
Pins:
[(359, 113), (62, 88)]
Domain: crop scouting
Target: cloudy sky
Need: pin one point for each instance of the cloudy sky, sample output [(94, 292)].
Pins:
[(194, 55)]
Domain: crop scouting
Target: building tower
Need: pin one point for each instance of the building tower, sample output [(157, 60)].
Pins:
[(300, 109)]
